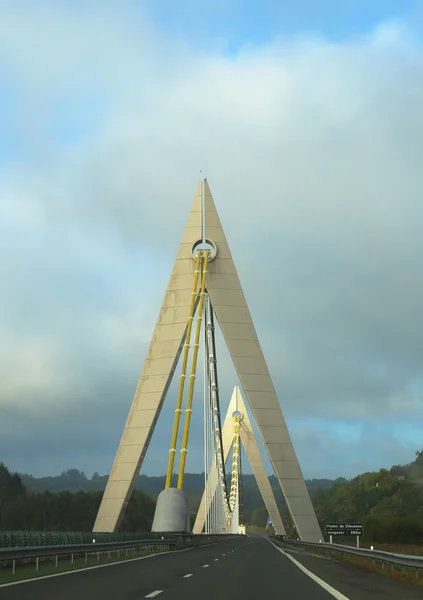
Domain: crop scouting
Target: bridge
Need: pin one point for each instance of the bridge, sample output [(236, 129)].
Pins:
[(204, 291)]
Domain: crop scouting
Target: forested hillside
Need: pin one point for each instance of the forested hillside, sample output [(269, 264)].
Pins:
[(389, 502), (29, 509), (74, 481)]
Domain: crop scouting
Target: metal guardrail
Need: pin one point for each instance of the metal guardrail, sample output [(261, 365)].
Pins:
[(404, 560), (9, 539), (28, 554), (25, 554), (21, 539)]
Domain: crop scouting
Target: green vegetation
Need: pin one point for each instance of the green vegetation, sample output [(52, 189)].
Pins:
[(47, 566), (76, 481), (31, 509), (389, 502)]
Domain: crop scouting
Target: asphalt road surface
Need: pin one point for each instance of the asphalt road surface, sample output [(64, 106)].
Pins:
[(244, 569)]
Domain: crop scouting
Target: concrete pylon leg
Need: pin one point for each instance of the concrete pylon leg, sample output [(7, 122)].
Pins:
[(252, 451), (254, 457), (231, 309)]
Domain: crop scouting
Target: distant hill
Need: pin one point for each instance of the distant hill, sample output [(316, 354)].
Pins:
[(75, 481), (389, 502), (29, 508)]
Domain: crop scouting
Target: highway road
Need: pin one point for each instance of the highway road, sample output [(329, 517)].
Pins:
[(247, 568)]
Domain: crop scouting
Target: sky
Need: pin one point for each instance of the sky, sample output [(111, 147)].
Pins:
[(307, 121)]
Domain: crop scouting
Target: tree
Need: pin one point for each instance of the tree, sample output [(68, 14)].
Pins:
[(259, 517), (63, 511)]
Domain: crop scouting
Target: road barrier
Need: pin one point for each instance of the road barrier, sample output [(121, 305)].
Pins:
[(147, 544), (20, 539), (376, 556)]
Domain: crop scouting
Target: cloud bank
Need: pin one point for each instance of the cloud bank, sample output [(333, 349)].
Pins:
[(313, 153)]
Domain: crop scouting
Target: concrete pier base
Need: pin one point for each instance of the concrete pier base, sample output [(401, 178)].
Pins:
[(172, 513)]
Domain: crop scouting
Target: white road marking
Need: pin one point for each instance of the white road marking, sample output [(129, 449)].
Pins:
[(120, 562), (204, 566), (153, 594), (189, 575), (216, 559), (312, 576)]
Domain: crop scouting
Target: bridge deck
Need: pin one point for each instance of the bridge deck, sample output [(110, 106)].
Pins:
[(244, 569)]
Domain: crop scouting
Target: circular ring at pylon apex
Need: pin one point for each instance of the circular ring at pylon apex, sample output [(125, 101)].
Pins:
[(237, 414), (206, 245)]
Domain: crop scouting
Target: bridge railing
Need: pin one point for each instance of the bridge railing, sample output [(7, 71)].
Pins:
[(379, 556)]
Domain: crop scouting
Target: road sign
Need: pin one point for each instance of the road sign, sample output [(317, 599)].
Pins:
[(344, 529), (269, 520)]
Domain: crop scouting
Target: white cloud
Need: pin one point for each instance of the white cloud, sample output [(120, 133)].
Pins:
[(312, 150)]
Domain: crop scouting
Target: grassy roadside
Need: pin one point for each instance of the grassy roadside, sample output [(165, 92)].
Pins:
[(409, 574), (396, 548), (47, 566), (382, 567)]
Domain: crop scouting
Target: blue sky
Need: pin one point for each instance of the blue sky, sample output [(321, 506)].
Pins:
[(307, 121), (241, 24)]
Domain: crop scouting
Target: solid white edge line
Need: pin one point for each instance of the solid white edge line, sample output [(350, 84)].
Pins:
[(154, 594), (118, 562), (323, 584)]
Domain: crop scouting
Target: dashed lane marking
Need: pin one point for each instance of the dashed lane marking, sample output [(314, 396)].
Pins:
[(111, 564), (154, 594)]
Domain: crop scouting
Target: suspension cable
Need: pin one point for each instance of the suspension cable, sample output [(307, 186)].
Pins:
[(235, 462), (172, 450), (215, 408), (184, 448), (240, 489), (208, 429), (228, 499), (206, 422), (216, 397)]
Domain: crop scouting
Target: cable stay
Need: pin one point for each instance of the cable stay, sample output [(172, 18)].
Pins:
[(222, 501), (229, 497)]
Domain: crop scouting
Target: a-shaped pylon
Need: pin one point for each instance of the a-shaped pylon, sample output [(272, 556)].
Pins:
[(230, 307), (252, 451)]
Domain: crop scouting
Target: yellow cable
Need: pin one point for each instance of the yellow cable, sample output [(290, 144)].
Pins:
[(235, 463), (192, 378), (183, 374)]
